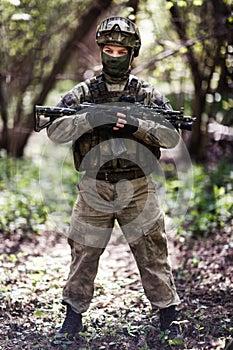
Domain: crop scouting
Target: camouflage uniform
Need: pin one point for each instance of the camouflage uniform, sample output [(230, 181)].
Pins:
[(101, 202)]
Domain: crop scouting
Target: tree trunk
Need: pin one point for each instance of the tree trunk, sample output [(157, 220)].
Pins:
[(17, 137), (85, 24), (17, 140), (3, 112), (197, 139)]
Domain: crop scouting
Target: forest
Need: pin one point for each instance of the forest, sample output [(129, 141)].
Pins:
[(47, 47)]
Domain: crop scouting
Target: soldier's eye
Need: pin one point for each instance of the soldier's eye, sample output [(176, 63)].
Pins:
[(108, 51), (122, 53)]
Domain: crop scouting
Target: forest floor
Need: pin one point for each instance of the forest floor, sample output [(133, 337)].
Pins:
[(34, 268)]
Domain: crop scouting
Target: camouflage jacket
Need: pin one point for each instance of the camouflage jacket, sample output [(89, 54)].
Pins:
[(93, 148)]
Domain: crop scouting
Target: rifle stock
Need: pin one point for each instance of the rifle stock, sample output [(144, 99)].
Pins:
[(45, 115)]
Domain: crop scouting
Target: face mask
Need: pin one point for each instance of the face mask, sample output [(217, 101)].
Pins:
[(115, 66)]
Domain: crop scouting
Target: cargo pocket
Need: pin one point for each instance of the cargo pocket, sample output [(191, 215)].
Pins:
[(155, 240)]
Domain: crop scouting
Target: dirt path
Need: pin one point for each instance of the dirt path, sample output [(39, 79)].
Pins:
[(34, 273)]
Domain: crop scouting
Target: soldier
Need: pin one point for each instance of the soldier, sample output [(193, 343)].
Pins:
[(118, 152)]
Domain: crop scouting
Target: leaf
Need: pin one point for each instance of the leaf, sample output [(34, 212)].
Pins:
[(40, 313)]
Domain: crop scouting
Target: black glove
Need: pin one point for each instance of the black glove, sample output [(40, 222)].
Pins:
[(101, 117), (107, 117), (131, 126)]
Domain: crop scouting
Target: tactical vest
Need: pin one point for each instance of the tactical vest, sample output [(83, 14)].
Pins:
[(99, 93)]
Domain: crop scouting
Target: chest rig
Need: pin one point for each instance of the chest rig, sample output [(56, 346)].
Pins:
[(100, 93)]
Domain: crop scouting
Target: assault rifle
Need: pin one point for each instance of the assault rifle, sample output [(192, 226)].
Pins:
[(45, 115)]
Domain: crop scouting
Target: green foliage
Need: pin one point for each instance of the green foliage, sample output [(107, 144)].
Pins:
[(158, 40), (211, 205), (58, 184), (198, 36), (22, 210), (20, 21), (33, 33), (205, 201), (31, 193)]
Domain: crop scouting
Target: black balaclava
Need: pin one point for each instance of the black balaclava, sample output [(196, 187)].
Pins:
[(116, 69)]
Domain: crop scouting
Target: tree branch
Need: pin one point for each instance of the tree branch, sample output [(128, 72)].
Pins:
[(84, 24), (167, 53)]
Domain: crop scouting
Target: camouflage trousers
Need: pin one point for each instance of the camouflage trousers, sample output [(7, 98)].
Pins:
[(134, 204)]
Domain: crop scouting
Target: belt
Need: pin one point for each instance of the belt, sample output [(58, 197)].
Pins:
[(113, 177)]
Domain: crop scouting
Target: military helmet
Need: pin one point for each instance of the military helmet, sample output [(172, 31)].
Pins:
[(119, 31)]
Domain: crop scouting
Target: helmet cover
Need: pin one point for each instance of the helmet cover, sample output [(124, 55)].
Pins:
[(119, 31)]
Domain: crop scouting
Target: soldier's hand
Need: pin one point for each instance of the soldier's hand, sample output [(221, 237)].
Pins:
[(110, 118), (126, 123), (121, 121), (101, 118)]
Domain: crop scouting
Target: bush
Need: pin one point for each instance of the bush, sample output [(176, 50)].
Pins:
[(32, 193), (211, 206), (22, 209)]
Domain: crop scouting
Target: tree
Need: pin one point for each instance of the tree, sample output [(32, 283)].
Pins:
[(38, 39), (210, 22), (31, 64)]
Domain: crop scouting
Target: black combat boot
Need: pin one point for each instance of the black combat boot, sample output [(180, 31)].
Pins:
[(168, 316), (72, 324)]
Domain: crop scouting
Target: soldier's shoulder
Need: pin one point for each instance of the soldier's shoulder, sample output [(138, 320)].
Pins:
[(145, 86), (77, 94), (81, 88)]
